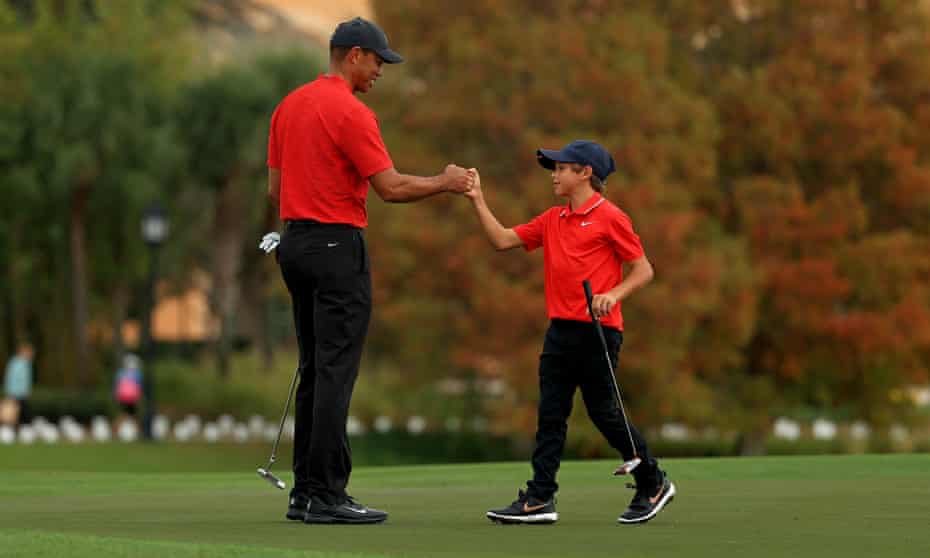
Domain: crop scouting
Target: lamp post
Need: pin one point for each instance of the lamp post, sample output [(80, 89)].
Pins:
[(154, 232)]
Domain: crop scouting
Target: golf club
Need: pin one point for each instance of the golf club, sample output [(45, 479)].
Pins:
[(265, 472), (626, 466)]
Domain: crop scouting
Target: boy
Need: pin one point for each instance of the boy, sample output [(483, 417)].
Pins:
[(589, 238)]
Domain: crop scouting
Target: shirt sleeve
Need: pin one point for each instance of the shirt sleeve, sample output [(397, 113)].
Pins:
[(533, 233), (624, 239), (362, 144), (274, 153)]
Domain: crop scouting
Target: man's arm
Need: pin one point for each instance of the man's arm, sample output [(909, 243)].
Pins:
[(501, 238), (274, 186), (394, 187), (640, 274)]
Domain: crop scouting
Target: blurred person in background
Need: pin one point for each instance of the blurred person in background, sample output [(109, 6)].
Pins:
[(17, 384), (324, 152), (127, 386)]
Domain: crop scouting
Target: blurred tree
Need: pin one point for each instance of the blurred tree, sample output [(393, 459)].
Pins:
[(223, 123), (823, 156), (93, 146)]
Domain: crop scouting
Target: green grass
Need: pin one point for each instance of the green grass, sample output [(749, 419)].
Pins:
[(206, 501)]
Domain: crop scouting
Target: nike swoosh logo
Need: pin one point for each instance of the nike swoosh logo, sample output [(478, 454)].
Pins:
[(531, 509), (358, 511), (586, 223), (655, 498), (332, 244)]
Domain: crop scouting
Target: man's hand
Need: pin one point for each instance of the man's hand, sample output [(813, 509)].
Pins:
[(475, 194), (602, 304), (460, 180), (269, 242)]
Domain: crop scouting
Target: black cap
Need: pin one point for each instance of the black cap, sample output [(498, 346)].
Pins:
[(365, 34), (583, 152)]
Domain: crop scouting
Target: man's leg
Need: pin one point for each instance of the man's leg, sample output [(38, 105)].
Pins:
[(303, 400), (342, 311), (301, 285)]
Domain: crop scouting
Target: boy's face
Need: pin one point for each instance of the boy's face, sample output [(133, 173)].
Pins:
[(566, 180)]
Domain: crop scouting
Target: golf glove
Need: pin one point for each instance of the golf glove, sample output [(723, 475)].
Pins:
[(269, 242)]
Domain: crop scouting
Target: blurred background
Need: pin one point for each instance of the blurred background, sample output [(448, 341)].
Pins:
[(774, 157)]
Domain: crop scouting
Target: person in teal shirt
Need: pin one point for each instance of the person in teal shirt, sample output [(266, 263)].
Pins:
[(18, 379)]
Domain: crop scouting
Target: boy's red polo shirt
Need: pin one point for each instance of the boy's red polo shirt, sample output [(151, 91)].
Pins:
[(590, 243), (327, 144)]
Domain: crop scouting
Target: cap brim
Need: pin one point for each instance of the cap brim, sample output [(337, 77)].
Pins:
[(548, 158), (389, 56)]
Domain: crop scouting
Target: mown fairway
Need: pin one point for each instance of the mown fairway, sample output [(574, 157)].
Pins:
[(85, 501)]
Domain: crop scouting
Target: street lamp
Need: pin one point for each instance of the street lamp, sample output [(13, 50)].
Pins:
[(154, 232)]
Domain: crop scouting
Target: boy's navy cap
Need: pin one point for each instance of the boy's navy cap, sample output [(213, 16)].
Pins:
[(583, 152), (363, 33)]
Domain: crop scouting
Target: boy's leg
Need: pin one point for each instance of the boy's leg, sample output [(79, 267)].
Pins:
[(557, 383), (556, 390), (653, 489), (600, 399)]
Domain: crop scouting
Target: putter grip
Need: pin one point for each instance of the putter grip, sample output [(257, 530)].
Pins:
[(589, 296)]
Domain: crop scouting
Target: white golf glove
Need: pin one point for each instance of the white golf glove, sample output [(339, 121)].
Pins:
[(269, 242)]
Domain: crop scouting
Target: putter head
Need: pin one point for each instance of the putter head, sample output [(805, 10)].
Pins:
[(627, 466), (268, 476)]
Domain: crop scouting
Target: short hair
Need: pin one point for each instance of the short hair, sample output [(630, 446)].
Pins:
[(338, 53), (596, 183)]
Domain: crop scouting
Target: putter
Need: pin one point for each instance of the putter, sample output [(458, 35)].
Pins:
[(265, 472), (627, 466)]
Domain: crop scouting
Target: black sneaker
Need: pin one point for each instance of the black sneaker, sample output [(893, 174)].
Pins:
[(649, 500), (349, 511), (297, 505), (526, 509)]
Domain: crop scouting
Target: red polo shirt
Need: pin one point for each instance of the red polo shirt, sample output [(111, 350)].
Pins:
[(326, 143), (589, 243)]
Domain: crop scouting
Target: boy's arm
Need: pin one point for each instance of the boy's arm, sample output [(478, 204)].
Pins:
[(640, 274), (501, 238)]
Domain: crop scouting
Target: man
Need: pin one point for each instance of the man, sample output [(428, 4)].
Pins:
[(589, 238), (324, 150), (18, 379)]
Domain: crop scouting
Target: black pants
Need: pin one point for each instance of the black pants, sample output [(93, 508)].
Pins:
[(573, 357), (24, 414), (325, 268)]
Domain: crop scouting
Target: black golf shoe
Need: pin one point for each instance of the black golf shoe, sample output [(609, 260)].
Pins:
[(649, 499), (349, 511), (297, 505), (526, 509)]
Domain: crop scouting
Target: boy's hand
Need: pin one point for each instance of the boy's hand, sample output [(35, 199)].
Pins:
[(475, 193), (602, 304), (460, 180)]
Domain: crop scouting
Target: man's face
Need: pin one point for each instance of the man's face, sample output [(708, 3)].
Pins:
[(366, 69), (565, 179)]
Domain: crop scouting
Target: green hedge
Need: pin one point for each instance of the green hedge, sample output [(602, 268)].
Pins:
[(53, 404)]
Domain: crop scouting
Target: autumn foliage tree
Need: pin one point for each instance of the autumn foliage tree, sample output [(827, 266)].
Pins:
[(772, 155), (498, 80)]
